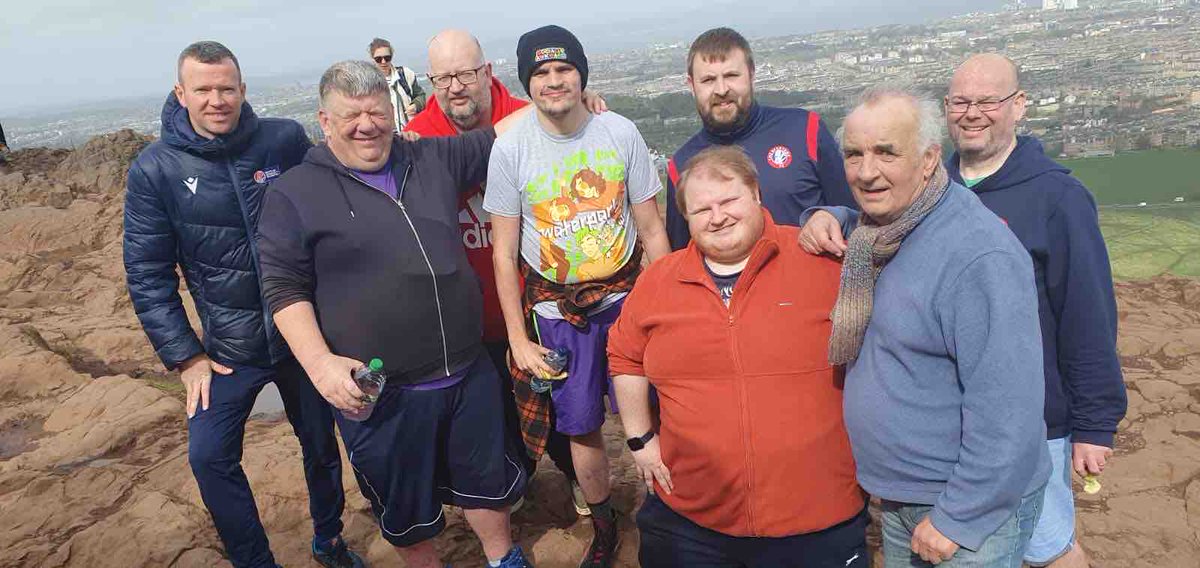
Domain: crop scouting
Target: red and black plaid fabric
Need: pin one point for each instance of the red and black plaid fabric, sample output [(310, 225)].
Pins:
[(574, 301)]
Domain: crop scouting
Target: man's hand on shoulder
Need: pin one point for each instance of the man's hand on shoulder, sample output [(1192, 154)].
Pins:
[(930, 544), (594, 102), (822, 234)]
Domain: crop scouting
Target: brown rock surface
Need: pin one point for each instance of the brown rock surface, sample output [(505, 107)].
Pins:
[(93, 448)]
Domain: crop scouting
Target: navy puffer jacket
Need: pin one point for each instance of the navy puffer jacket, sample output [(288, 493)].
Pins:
[(194, 202)]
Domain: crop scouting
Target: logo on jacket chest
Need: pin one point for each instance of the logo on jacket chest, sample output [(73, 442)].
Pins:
[(779, 156), (266, 174), (192, 183), (476, 223)]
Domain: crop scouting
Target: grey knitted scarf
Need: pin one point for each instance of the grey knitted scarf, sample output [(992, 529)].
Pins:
[(871, 247)]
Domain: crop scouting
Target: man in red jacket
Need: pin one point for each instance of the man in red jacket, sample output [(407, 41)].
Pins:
[(466, 97), (751, 465)]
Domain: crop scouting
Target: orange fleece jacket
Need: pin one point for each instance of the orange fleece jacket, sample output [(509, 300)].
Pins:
[(751, 410)]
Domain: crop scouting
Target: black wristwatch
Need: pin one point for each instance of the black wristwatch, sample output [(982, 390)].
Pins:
[(636, 444)]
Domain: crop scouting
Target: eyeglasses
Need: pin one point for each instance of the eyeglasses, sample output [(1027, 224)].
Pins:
[(468, 77), (961, 106), (382, 59)]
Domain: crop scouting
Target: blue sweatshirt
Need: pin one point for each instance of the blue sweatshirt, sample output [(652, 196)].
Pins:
[(1055, 218), (799, 165), (944, 403)]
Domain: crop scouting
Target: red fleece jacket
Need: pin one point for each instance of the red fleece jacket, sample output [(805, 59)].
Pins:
[(474, 222), (751, 410)]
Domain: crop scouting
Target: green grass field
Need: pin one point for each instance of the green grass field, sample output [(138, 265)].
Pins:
[(1145, 243), (1164, 236), (1153, 176)]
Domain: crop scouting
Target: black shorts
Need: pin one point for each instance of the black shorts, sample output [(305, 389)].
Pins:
[(422, 449), (670, 539)]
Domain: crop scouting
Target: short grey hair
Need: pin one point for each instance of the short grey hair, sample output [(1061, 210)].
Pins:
[(352, 78), (206, 52), (931, 125)]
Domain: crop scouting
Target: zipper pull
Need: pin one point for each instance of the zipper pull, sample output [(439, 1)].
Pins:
[(731, 320)]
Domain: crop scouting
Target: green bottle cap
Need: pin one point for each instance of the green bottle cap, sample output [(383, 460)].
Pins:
[(376, 364)]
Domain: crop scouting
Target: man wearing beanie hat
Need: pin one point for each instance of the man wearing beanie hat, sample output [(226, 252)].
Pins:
[(550, 43), (571, 195)]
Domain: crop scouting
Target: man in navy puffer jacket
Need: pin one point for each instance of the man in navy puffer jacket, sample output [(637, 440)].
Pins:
[(193, 200)]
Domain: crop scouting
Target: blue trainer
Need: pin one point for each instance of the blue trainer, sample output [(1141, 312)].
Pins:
[(515, 559), (335, 554)]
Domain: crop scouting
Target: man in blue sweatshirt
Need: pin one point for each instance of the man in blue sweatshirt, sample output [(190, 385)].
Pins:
[(937, 323), (798, 161), (1054, 216)]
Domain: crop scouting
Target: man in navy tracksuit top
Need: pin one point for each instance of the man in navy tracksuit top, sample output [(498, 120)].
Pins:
[(799, 163), (192, 201), (1054, 216)]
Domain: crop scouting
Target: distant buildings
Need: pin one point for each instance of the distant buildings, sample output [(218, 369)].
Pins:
[(1060, 5)]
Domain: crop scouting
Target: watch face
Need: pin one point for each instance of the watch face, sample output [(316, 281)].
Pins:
[(635, 444)]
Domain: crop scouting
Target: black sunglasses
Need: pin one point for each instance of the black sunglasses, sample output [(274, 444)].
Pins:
[(382, 59)]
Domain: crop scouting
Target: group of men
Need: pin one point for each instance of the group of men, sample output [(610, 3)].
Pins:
[(500, 234)]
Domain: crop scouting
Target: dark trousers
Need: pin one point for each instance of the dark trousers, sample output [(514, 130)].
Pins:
[(215, 454), (558, 446), (670, 539)]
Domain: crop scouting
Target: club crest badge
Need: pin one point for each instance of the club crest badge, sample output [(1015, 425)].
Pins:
[(779, 156), (263, 176)]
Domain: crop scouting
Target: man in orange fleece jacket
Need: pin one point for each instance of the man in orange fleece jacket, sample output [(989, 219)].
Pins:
[(751, 465)]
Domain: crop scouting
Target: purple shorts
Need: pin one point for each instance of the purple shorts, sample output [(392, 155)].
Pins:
[(578, 400)]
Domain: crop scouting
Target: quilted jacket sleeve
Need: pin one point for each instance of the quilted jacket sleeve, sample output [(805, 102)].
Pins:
[(150, 260)]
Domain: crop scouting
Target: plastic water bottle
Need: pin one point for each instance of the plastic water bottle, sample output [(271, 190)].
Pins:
[(557, 359), (370, 381)]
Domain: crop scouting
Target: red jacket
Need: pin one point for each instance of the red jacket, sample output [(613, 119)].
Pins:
[(751, 410), (474, 222)]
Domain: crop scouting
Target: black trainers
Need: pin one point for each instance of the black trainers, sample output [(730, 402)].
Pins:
[(336, 555), (603, 551)]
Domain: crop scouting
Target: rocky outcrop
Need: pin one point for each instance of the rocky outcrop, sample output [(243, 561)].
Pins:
[(93, 444)]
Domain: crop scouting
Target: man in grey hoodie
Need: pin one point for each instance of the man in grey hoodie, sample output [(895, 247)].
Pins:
[(937, 323)]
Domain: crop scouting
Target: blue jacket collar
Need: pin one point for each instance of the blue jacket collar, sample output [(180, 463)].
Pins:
[(1027, 161)]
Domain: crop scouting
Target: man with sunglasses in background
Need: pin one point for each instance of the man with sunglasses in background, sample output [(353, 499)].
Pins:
[(408, 98)]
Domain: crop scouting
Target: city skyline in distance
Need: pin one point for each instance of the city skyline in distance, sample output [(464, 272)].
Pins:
[(68, 53)]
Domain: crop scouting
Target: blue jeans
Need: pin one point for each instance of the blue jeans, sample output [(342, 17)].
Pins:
[(215, 454), (1003, 549), (1055, 532)]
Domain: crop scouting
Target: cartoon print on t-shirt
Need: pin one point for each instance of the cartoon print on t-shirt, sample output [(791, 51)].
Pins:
[(578, 210)]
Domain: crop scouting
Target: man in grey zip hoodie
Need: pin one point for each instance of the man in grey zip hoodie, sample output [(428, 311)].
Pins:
[(937, 323), (361, 259)]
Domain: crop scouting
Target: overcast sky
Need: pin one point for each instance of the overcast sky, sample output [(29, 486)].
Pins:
[(56, 53)]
